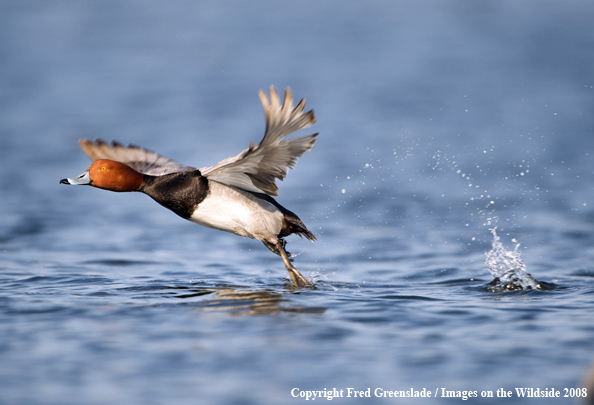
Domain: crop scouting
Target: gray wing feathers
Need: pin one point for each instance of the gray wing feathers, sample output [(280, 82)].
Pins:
[(256, 168), (140, 159)]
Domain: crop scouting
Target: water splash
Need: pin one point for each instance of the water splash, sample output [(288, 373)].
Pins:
[(507, 268)]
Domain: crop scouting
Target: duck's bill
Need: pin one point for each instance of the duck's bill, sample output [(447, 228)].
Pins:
[(82, 180)]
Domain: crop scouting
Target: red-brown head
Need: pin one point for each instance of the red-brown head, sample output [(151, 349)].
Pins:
[(109, 175)]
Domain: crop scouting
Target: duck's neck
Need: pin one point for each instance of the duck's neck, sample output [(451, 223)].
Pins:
[(179, 192)]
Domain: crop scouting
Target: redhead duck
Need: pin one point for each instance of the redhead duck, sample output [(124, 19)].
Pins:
[(235, 195)]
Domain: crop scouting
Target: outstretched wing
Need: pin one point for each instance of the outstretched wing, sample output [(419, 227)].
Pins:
[(142, 160), (256, 168)]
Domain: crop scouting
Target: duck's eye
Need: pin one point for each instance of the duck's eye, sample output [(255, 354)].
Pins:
[(103, 168)]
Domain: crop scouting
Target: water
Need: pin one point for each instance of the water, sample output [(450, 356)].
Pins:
[(508, 268), (438, 121)]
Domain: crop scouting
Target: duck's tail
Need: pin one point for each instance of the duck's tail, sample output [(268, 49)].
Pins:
[(292, 224)]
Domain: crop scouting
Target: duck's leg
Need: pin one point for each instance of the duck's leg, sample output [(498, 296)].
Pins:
[(278, 246), (297, 278)]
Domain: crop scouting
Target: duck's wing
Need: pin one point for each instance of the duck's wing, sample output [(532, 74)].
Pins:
[(142, 160), (256, 168)]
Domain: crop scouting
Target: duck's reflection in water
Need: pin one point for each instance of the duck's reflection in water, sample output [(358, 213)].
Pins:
[(250, 302)]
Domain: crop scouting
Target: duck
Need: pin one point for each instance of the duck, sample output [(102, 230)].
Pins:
[(235, 195)]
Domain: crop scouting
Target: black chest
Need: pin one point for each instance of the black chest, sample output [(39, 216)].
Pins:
[(179, 192)]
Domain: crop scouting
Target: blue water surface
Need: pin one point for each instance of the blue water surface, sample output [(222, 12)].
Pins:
[(438, 120)]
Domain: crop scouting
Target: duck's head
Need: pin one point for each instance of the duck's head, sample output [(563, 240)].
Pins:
[(108, 175)]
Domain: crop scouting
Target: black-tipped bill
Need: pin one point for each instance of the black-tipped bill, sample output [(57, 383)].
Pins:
[(82, 180)]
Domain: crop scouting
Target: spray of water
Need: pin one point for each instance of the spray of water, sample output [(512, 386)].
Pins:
[(508, 269)]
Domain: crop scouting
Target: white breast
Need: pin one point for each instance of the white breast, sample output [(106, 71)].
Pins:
[(233, 210)]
